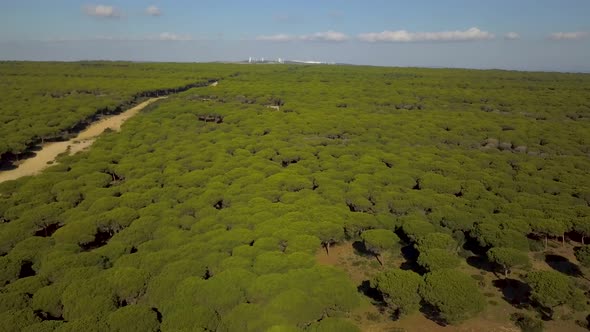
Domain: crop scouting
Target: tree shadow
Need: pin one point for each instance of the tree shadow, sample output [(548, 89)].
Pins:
[(432, 313), (370, 292), (472, 245), (8, 162), (563, 265), (481, 263), (377, 300), (361, 250), (514, 292), (101, 238), (45, 316), (158, 314), (48, 230), (574, 236), (410, 254), (6, 165), (26, 270)]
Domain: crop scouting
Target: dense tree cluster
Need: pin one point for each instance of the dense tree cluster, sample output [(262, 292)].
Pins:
[(179, 224), (44, 102)]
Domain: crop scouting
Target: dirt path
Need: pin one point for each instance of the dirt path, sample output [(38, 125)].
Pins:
[(49, 152)]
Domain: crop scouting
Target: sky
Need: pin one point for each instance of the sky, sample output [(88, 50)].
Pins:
[(546, 35)]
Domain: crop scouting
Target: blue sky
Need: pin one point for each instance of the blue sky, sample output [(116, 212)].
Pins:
[(517, 34)]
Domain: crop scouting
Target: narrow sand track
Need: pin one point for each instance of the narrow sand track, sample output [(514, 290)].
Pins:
[(49, 151)]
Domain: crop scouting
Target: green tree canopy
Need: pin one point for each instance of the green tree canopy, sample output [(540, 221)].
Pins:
[(437, 259), (333, 324), (329, 233), (508, 258), (436, 240), (190, 318), (399, 289), (90, 297), (379, 240), (551, 289), (454, 294), (133, 318)]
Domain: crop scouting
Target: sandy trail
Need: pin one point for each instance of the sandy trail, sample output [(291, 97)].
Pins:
[(49, 151)]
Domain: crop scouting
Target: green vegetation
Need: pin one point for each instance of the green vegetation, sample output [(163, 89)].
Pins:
[(210, 210), (33, 94), (508, 258), (454, 295), (551, 289), (379, 240), (583, 255), (399, 289), (527, 323)]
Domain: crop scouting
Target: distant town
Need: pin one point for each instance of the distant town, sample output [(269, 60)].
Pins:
[(254, 60)]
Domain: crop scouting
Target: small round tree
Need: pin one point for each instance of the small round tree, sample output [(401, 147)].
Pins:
[(437, 241), (329, 233), (436, 259), (508, 258), (379, 240)]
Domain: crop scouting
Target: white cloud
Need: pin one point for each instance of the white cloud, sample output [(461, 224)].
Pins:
[(512, 36), (332, 36), (153, 11), (569, 35), (471, 34), (164, 36), (277, 38), (102, 11), (328, 36), (171, 36)]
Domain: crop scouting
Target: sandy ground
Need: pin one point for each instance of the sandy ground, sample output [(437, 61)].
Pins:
[(49, 152), (494, 319)]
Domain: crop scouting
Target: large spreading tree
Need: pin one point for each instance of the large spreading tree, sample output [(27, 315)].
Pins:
[(453, 294)]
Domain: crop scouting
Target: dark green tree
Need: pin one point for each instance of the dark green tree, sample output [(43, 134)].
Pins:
[(508, 258), (379, 240), (332, 324), (17, 320), (329, 233), (90, 297), (551, 289), (437, 259), (399, 289), (455, 295), (190, 318), (134, 318), (437, 241)]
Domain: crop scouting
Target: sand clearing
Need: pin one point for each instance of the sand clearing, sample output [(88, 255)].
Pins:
[(49, 152)]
